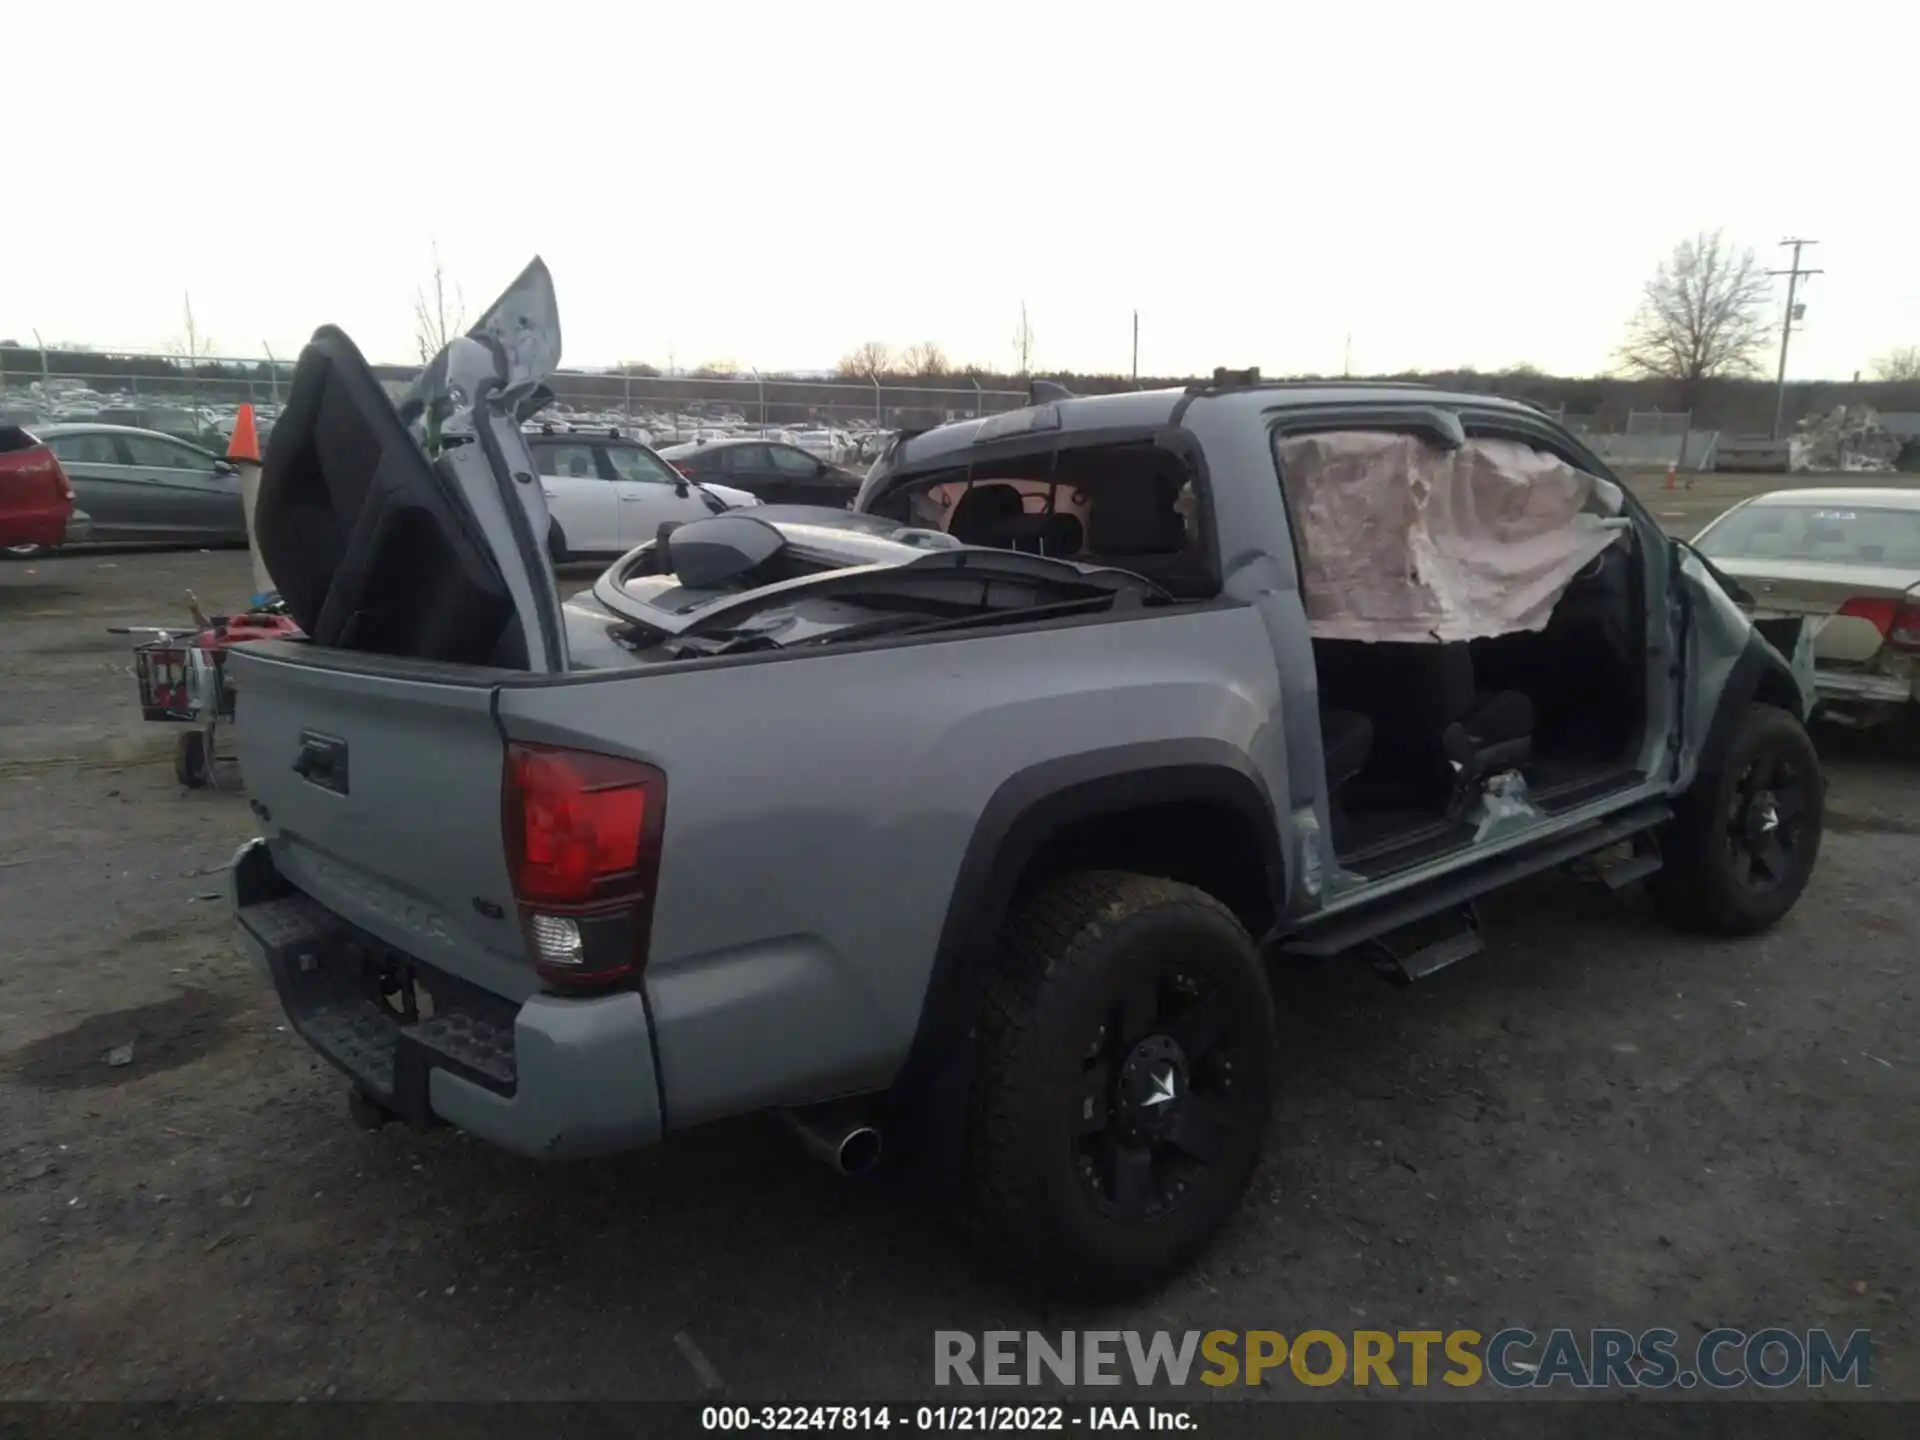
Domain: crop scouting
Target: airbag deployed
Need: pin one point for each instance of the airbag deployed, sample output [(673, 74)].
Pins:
[(1404, 541)]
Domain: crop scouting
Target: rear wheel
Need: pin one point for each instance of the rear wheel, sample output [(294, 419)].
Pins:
[(1744, 840), (1126, 1075), (557, 543)]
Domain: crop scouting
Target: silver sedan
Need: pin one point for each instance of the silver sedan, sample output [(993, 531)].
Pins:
[(142, 485)]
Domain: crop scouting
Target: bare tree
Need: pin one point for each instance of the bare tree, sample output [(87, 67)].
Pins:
[(1023, 342), (868, 361), (437, 317), (1701, 315), (1900, 363), (926, 358), (192, 346)]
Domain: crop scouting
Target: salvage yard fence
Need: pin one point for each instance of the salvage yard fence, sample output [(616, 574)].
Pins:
[(164, 393)]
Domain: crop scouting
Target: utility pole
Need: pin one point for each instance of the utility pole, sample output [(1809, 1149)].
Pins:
[(1136, 349), (1786, 328), (1346, 365)]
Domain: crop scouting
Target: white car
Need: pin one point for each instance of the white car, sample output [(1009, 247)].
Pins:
[(607, 494)]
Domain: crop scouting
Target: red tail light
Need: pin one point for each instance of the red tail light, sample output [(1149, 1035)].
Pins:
[(583, 848), (1898, 621)]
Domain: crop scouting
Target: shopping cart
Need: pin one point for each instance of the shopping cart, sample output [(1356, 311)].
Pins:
[(182, 677)]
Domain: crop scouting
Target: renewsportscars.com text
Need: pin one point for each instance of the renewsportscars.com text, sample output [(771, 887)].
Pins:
[(1602, 1359)]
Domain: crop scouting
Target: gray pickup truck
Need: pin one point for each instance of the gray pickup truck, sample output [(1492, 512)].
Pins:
[(968, 820)]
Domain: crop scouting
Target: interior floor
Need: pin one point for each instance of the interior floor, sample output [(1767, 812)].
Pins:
[(1413, 733)]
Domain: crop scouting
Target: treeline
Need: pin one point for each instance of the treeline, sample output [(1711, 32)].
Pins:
[(1601, 403)]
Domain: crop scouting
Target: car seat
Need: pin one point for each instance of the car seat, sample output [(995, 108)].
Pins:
[(1136, 516), (982, 511), (1434, 729)]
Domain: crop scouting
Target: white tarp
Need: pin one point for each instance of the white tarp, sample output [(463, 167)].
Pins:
[(1402, 540)]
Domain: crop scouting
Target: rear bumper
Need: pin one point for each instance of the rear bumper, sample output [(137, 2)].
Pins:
[(551, 1077), (1862, 687), (39, 525)]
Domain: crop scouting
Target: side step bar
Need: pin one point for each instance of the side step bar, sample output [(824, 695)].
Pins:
[(1429, 946), (1320, 939)]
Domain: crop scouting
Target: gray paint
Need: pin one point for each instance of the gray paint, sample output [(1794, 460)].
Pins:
[(820, 805)]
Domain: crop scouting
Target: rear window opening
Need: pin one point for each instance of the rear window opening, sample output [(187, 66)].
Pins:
[(1134, 506)]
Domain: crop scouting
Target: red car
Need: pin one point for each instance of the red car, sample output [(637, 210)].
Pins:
[(36, 502)]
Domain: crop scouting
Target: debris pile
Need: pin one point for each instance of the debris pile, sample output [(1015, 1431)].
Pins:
[(1848, 438)]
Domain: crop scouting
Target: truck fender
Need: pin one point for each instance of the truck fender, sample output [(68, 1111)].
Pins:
[(1759, 673), (1031, 808)]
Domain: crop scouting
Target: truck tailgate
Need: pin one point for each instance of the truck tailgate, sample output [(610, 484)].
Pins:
[(378, 785)]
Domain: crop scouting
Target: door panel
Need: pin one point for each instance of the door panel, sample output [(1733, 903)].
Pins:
[(750, 468), (585, 504), (104, 484), (182, 496), (649, 494)]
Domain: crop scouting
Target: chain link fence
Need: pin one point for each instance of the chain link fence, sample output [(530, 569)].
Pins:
[(197, 401)]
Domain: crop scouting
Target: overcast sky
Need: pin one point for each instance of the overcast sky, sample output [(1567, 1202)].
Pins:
[(1465, 184)]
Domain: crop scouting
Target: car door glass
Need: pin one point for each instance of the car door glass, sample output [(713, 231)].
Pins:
[(640, 466), (568, 462), (745, 459), (149, 453), (87, 450), (793, 462)]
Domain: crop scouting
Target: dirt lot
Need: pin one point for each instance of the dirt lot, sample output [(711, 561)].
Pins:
[(1598, 1123)]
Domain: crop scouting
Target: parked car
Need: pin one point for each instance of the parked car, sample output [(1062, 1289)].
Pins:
[(1848, 560), (1003, 893), (779, 474), (141, 485), (36, 502), (606, 493)]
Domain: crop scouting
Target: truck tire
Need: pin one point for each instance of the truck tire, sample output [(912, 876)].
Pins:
[(192, 766), (1125, 1077), (1744, 839)]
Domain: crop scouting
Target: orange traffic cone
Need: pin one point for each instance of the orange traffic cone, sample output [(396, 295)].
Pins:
[(1672, 471), (245, 444)]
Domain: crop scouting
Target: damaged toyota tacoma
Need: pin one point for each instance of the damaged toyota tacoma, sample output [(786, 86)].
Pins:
[(967, 822)]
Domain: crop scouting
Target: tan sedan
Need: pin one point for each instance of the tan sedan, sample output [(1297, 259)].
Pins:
[(1849, 561)]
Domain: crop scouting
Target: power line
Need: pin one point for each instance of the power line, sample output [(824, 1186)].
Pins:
[(1786, 328)]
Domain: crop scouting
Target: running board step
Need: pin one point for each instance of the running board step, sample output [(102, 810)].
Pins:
[(1437, 942), (1621, 865), (1366, 919), (1634, 867)]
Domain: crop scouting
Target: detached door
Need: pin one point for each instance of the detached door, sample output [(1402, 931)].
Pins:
[(650, 494), (581, 500)]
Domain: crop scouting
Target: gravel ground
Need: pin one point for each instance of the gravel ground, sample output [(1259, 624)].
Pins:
[(1597, 1123)]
